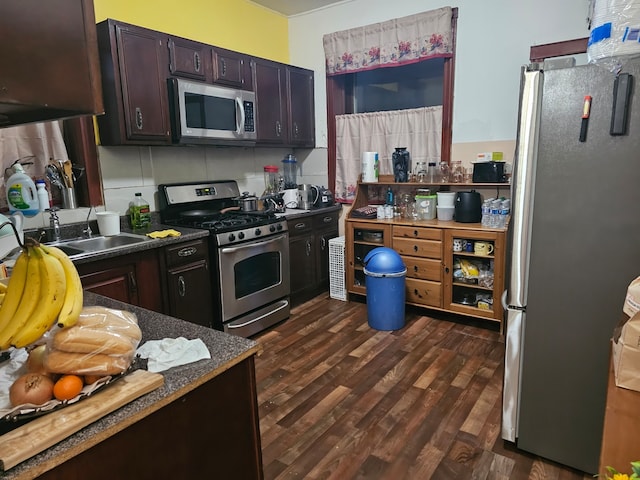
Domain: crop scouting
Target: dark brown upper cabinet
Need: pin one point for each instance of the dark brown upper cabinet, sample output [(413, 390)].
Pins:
[(301, 109), (232, 69), (49, 55), (134, 71), (136, 63), (285, 105), (189, 59)]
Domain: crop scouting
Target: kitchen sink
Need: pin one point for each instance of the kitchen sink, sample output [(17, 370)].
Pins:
[(83, 246), (105, 243), (70, 251)]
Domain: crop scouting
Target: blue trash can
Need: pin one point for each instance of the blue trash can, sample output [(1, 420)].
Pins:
[(385, 278)]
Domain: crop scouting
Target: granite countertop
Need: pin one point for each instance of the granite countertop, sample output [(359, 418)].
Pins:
[(291, 213), (226, 351), (186, 234)]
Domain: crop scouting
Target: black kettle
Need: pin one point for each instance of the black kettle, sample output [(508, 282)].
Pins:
[(468, 207)]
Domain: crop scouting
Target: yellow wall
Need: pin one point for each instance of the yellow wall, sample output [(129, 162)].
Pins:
[(234, 24)]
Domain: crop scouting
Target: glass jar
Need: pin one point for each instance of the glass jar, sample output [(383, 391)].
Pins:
[(403, 205), (433, 174), (421, 172), (444, 172), (457, 172)]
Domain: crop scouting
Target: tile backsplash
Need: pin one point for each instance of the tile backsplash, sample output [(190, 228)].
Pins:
[(127, 170)]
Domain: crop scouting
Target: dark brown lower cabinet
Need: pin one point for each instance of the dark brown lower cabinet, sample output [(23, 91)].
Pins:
[(174, 280), (188, 282), (211, 432), (132, 278), (309, 237)]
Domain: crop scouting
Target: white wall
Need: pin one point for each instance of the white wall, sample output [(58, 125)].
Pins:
[(493, 41)]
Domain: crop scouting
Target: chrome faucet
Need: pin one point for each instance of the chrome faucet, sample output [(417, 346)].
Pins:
[(86, 232), (54, 223)]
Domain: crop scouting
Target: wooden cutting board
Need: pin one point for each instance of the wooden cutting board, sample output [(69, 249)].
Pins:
[(45, 431)]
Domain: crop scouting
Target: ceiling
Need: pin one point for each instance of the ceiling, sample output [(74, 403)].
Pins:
[(294, 7)]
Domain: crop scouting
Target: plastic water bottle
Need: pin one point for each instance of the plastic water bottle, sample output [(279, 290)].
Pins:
[(486, 212), (43, 195), (505, 208), (495, 213)]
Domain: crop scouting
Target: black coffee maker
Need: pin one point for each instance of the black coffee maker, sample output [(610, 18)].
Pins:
[(401, 165)]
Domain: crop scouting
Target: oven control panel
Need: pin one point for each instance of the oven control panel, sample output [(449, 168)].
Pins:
[(251, 233)]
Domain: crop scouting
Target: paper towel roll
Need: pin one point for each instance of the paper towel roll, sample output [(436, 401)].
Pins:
[(370, 166), (615, 31)]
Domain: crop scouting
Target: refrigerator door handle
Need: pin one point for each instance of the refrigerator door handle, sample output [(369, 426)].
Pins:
[(523, 191)]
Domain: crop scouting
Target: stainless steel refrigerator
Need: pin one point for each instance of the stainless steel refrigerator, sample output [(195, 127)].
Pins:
[(574, 247)]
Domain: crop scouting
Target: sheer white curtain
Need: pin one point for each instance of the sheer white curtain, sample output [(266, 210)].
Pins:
[(417, 129), (40, 141)]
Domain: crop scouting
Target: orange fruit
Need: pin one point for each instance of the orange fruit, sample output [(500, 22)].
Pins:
[(67, 387)]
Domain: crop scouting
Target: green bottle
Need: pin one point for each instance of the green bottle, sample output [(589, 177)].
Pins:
[(140, 213)]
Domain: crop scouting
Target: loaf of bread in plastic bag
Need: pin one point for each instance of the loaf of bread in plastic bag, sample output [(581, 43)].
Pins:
[(102, 342)]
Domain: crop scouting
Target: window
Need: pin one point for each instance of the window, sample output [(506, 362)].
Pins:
[(410, 86), (419, 82)]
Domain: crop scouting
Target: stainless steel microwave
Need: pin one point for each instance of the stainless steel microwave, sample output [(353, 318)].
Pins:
[(205, 113)]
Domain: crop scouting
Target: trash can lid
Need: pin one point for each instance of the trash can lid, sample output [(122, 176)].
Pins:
[(383, 260)]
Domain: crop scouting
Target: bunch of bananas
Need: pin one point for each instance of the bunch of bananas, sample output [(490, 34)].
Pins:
[(44, 289)]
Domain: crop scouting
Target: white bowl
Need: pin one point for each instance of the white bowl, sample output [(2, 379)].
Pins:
[(446, 199), (445, 213)]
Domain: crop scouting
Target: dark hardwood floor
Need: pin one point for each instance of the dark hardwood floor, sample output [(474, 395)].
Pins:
[(340, 400)]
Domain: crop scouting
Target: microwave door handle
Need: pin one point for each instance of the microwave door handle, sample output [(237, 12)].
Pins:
[(240, 124)]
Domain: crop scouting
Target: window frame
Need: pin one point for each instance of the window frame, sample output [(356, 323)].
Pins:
[(340, 101)]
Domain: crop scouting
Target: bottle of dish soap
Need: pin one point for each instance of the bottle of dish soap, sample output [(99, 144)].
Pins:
[(21, 193), (139, 213)]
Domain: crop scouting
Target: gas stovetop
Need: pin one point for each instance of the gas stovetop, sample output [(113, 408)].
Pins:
[(213, 206)]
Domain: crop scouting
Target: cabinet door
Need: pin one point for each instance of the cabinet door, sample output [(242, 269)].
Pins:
[(143, 89), (231, 68), (326, 228), (360, 239), (50, 61), (302, 260), (119, 283), (190, 293), (301, 107), (269, 85), (188, 59), (322, 262), (474, 282), (132, 278), (134, 71)]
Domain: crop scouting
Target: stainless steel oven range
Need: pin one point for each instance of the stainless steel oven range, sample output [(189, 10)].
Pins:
[(249, 253)]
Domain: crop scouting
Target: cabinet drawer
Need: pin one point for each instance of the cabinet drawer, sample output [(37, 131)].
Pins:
[(413, 232), (423, 292), (325, 220), (185, 253), (418, 248), (423, 268), (299, 225)]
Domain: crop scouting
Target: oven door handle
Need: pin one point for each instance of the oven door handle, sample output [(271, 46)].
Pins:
[(282, 304), (253, 245)]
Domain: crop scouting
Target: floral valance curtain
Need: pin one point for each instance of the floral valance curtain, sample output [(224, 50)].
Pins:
[(417, 129), (399, 41)]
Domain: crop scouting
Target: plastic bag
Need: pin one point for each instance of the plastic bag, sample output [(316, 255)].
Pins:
[(102, 342)]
